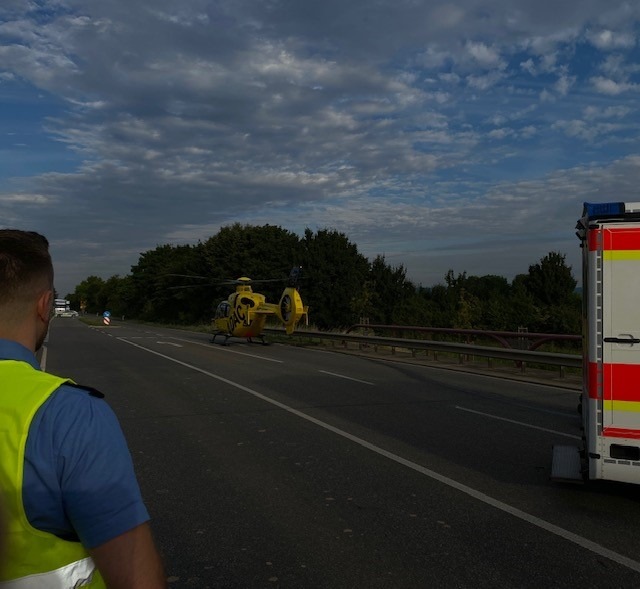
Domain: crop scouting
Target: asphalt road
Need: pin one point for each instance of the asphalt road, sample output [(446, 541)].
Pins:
[(277, 466)]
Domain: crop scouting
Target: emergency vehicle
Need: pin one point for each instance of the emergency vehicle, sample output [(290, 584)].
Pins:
[(609, 235), (61, 306)]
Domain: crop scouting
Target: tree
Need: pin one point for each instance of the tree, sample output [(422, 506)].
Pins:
[(521, 310), (550, 281), (552, 287), (334, 277), (88, 295), (248, 250), (442, 304), (487, 297), (118, 296), (415, 309), (390, 290), (467, 311), (162, 296)]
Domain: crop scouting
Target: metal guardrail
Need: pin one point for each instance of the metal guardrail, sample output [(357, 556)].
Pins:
[(520, 357), (534, 340)]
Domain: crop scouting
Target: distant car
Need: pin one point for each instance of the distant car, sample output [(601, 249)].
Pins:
[(69, 313)]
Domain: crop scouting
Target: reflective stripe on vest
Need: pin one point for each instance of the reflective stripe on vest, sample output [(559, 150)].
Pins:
[(35, 559), (72, 576)]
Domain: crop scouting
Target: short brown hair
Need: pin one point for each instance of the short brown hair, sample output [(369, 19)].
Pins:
[(25, 264)]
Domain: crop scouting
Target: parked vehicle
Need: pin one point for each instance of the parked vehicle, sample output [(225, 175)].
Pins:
[(609, 234)]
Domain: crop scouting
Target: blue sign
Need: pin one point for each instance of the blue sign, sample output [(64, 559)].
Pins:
[(106, 314)]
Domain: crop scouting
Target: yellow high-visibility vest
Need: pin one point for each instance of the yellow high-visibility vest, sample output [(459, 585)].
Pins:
[(34, 559)]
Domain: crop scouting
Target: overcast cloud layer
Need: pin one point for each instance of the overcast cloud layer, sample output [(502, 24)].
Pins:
[(444, 135)]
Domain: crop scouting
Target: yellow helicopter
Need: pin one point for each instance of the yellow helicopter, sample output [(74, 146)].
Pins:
[(244, 312)]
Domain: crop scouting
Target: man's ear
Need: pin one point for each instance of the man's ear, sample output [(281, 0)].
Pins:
[(44, 305)]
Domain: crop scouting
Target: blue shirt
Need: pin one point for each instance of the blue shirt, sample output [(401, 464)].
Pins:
[(79, 482)]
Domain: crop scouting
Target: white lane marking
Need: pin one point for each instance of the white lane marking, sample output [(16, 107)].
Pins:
[(227, 350), (170, 344), (544, 429), (346, 377), (478, 495)]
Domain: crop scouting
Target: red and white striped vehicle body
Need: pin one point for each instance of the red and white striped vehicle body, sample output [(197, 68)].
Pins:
[(610, 403)]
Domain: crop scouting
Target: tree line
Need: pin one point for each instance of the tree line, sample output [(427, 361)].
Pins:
[(179, 284)]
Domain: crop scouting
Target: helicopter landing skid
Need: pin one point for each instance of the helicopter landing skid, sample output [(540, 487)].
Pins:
[(226, 338), (263, 341)]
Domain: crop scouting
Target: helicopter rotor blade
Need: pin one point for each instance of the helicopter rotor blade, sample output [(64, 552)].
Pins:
[(226, 281), (213, 282), (261, 281), (187, 286), (189, 276)]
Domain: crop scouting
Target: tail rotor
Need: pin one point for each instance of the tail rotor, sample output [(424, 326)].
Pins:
[(291, 309)]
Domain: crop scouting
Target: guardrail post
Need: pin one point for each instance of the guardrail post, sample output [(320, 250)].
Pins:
[(523, 367)]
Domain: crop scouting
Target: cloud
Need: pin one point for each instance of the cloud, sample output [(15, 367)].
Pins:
[(529, 66), (487, 57), (484, 82), (584, 129), (618, 112), (607, 40), (391, 120), (499, 233), (24, 198), (564, 84), (607, 86)]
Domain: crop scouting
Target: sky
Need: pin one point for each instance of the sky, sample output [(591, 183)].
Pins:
[(458, 135)]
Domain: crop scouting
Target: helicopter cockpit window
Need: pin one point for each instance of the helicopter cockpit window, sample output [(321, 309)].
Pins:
[(223, 310)]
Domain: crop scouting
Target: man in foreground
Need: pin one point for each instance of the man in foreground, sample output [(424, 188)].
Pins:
[(75, 516)]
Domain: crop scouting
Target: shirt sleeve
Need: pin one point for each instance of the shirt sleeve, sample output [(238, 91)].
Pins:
[(99, 492)]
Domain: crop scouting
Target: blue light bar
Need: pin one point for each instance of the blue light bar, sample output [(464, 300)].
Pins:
[(603, 209)]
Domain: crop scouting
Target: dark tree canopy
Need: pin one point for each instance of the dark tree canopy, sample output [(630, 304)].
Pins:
[(334, 275), (180, 285), (550, 281)]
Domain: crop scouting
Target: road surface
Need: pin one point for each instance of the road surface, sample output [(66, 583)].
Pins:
[(278, 466)]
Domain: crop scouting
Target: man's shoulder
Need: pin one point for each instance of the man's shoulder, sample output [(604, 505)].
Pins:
[(70, 394), (81, 389), (71, 405)]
